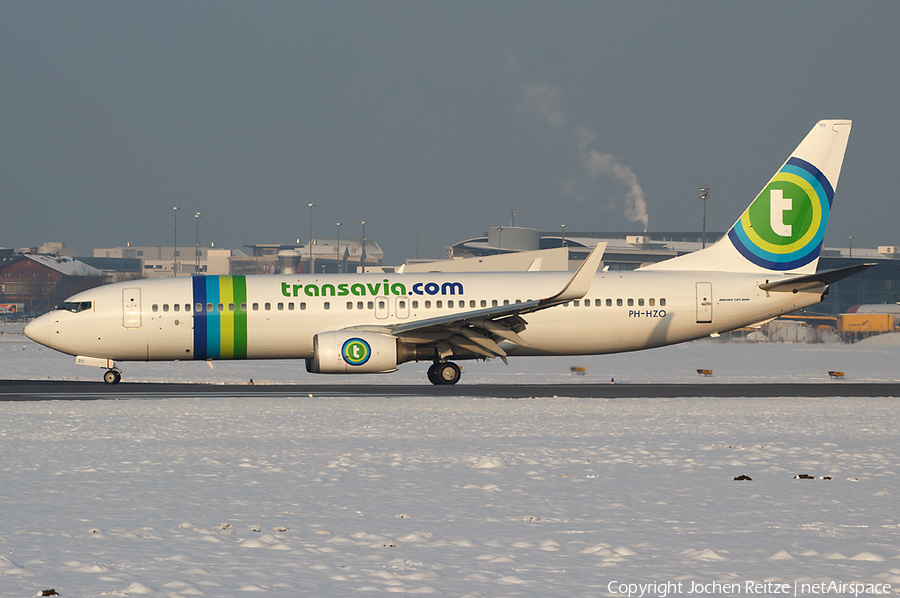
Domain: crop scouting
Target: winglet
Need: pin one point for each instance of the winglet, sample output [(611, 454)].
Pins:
[(581, 282)]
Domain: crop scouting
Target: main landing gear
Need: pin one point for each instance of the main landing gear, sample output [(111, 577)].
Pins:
[(444, 372), (112, 376)]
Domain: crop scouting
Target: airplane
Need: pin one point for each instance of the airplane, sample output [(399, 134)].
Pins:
[(765, 266)]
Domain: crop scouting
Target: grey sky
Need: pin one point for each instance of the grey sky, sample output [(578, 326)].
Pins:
[(430, 115)]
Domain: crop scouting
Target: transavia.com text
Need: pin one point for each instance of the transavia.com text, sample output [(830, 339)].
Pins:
[(661, 589)]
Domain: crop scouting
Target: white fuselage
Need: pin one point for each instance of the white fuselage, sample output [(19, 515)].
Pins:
[(277, 317)]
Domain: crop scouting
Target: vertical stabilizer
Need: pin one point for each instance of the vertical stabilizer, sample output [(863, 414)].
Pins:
[(783, 228)]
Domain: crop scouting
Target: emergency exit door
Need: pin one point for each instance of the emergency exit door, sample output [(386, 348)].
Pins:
[(704, 303)]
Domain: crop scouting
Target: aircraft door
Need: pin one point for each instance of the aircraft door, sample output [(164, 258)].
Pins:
[(704, 302), (131, 308), (381, 307), (401, 307)]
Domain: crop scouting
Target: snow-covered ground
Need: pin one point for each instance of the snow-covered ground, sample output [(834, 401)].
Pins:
[(872, 360), (454, 496)]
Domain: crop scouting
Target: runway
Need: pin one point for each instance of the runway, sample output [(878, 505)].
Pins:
[(52, 390)]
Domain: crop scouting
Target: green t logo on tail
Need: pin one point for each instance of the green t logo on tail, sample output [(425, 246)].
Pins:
[(784, 226)]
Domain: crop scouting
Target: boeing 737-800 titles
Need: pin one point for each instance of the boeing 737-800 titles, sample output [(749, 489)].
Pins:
[(362, 323)]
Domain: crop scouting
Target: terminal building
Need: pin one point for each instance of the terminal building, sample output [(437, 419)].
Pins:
[(627, 251), (160, 262), (320, 256)]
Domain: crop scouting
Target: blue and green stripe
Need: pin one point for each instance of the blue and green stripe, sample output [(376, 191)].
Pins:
[(220, 317)]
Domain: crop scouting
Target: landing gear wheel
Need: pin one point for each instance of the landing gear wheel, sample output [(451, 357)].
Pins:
[(447, 373), (432, 373), (112, 377)]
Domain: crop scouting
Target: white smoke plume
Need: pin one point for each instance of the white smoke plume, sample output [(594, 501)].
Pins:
[(543, 100), (596, 163)]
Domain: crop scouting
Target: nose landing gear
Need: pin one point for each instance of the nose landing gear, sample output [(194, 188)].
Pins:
[(444, 372), (112, 376)]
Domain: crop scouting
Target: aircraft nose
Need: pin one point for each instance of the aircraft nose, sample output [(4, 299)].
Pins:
[(38, 330)]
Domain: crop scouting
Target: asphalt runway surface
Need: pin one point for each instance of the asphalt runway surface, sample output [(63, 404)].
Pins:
[(53, 390)]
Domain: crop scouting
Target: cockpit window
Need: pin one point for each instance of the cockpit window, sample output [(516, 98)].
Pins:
[(75, 306)]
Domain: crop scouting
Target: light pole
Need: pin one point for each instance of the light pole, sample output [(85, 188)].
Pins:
[(312, 269), (197, 244), (175, 252), (563, 235), (704, 195), (339, 254), (362, 253), (851, 246)]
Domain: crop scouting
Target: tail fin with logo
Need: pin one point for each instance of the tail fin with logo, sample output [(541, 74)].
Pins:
[(783, 228)]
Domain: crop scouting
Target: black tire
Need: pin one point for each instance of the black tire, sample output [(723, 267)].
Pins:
[(432, 373), (448, 373), (112, 377)]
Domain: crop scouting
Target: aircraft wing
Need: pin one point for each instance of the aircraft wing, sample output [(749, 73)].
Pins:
[(809, 281), (479, 330)]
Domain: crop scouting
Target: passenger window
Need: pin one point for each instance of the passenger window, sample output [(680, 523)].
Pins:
[(302, 305), (165, 307), (349, 305), (609, 303), (493, 303), (291, 306), (630, 302), (198, 307), (652, 302), (619, 302), (359, 305), (450, 303), (402, 304), (256, 307), (243, 307), (662, 302), (483, 303), (281, 307), (187, 307), (518, 301), (428, 305), (577, 303), (155, 307), (438, 304), (221, 307), (381, 305), (370, 304), (640, 301), (415, 305), (176, 307), (327, 305), (268, 306), (231, 307), (506, 302)]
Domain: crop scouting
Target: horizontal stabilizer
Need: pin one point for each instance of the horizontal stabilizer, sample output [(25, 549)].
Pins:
[(819, 279)]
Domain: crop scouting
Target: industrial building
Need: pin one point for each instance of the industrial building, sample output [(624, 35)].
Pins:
[(40, 282)]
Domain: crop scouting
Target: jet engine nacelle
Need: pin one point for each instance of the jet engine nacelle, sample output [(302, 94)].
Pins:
[(352, 352)]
